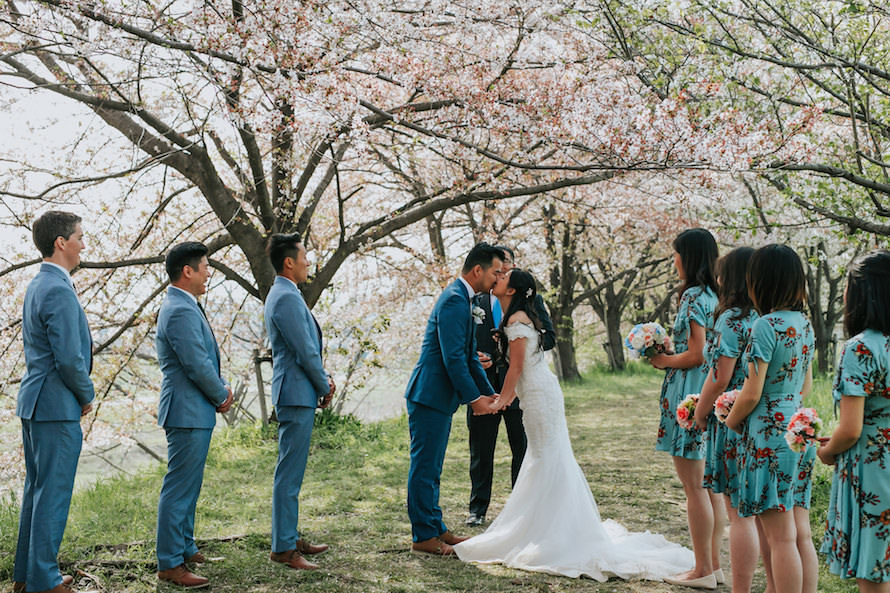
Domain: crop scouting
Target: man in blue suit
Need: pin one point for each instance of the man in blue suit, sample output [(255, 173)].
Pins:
[(299, 385), (192, 392), (55, 392), (447, 374)]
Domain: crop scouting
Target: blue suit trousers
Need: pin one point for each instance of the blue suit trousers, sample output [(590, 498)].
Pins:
[(186, 455), (429, 430), (51, 453), (294, 434)]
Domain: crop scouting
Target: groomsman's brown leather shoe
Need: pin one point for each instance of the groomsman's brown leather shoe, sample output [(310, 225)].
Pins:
[(18, 587), (304, 547), (433, 546), (180, 575), (197, 558), (292, 558), (451, 539)]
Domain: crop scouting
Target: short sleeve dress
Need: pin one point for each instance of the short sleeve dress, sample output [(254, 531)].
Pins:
[(771, 475), (731, 336), (857, 537), (697, 304)]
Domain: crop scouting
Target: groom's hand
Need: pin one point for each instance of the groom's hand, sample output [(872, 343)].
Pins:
[(482, 405)]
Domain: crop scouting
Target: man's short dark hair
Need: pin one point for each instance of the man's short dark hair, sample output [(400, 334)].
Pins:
[(283, 245), (507, 250), (51, 225), (482, 254), (184, 254)]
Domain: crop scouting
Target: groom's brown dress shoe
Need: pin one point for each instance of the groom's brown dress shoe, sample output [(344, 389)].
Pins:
[(304, 547), (179, 575), (197, 558), (18, 587), (451, 539), (292, 558), (434, 546)]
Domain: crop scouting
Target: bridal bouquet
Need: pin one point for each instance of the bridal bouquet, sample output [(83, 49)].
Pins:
[(723, 405), (804, 426), (686, 411), (648, 339)]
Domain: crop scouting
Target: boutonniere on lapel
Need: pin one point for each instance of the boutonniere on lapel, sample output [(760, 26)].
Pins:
[(478, 314)]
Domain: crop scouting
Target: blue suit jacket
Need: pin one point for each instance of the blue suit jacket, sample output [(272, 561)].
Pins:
[(58, 350), (192, 387), (298, 375), (448, 372)]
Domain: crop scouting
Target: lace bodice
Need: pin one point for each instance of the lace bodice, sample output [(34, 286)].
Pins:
[(533, 353)]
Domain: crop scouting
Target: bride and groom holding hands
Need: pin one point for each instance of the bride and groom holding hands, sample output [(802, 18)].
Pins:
[(550, 522)]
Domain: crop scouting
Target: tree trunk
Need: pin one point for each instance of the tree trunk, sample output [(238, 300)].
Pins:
[(563, 276), (566, 363), (824, 304), (615, 344)]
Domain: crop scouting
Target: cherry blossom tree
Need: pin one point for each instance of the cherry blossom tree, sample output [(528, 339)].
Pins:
[(784, 60), (360, 125)]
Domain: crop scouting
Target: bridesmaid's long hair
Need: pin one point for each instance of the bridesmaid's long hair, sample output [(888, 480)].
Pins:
[(868, 294), (732, 291), (698, 254), (523, 300), (776, 280)]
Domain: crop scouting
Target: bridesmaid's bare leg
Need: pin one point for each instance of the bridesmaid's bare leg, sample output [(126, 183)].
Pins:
[(808, 558)]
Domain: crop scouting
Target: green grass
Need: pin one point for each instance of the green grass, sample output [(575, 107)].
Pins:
[(354, 499)]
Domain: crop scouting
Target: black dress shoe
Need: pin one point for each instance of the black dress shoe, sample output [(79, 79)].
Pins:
[(475, 520)]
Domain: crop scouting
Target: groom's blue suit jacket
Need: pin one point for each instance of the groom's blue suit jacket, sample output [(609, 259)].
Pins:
[(192, 387), (448, 372), (58, 350), (298, 375)]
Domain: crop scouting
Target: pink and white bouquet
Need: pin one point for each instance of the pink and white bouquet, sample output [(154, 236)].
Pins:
[(648, 339), (723, 405), (686, 411), (805, 425)]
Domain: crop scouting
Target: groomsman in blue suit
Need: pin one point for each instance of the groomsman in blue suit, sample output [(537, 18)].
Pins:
[(447, 374), (55, 392), (299, 385), (192, 392)]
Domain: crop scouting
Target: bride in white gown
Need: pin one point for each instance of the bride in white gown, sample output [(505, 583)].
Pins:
[(550, 522)]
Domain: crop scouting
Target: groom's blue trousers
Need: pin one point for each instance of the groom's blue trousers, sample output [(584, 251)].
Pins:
[(429, 430)]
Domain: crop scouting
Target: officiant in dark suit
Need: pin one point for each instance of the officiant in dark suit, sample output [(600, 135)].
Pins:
[(484, 429)]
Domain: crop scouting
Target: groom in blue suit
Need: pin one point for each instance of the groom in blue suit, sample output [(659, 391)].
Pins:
[(192, 392), (55, 392), (299, 385), (447, 374)]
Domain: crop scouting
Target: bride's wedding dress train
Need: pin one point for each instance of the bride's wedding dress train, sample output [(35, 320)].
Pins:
[(550, 522)]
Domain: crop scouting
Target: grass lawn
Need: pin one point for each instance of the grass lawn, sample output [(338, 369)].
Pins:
[(353, 498)]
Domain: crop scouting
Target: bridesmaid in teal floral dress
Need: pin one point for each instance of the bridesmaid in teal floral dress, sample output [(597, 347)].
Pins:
[(735, 316), (695, 255), (857, 537), (774, 481)]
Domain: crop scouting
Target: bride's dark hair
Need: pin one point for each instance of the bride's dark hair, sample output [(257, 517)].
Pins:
[(523, 300)]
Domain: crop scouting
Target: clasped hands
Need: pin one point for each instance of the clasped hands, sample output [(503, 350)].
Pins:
[(326, 400), (489, 404), (226, 405)]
